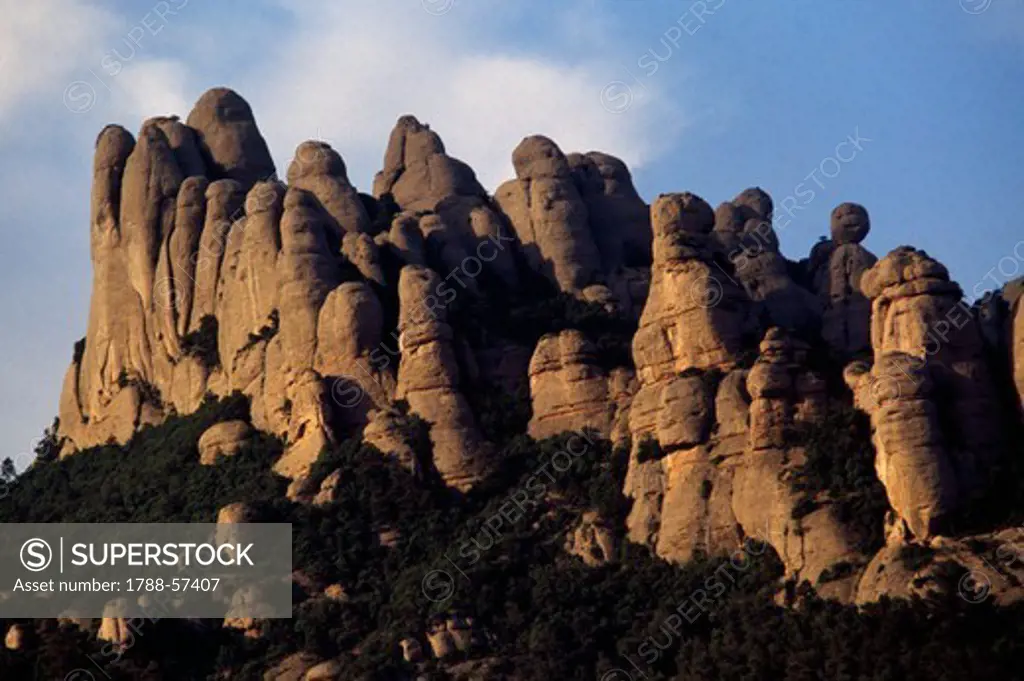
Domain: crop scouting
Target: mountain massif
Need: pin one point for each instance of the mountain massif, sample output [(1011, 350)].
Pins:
[(640, 394)]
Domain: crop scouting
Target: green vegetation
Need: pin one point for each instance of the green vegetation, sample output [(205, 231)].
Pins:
[(916, 557), (267, 331), (148, 392), (840, 469), (155, 478), (649, 449), (538, 611), (500, 415), (526, 320), (202, 343)]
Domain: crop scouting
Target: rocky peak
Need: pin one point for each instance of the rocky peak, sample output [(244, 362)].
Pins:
[(343, 315)]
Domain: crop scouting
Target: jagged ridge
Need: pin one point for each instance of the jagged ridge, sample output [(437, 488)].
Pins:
[(327, 307)]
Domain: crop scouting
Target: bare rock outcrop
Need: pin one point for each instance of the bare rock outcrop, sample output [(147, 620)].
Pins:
[(849, 224), (685, 352), (223, 440), (1016, 345), (386, 432), (148, 199), (418, 172), (592, 541), (362, 252), (428, 378), (183, 142), (204, 287), (784, 394), (225, 201), (695, 314), (448, 220), (908, 570), (569, 389), (330, 670), (619, 219), (15, 637), (231, 144), (176, 267), (912, 461), (292, 668), (743, 231), (319, 169), (918, 311), (348, 332), (93, 408), (743, 226), (836, 270), (550, 217), (114, 629)]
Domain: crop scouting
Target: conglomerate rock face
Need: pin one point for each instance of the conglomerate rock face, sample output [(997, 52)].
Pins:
[(918, 311), (580, 222), (342, 314)]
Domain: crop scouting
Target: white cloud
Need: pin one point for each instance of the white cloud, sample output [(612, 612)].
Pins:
[(347, 74), (343, 73), (153, 87), (41, 44)]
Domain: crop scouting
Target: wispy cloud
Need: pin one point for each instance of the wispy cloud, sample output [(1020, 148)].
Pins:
[(349, 85), (312, 68)]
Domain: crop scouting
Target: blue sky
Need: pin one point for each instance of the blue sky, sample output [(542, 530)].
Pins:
[(710, 97)]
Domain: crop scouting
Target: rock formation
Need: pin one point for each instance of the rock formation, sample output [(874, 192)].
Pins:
[(916, 310), (223, 439), (418, 172), (447, 218), (690, 334), (1016, 345), (192, 270), (428, 378), (846, 321), (340, 314), (15, 637), (744, 234), (618, 218), (912, 459), (783, 395), (295, 667), (229, 139), (593, 541), (549, 216), (569, 389), (318, 169)]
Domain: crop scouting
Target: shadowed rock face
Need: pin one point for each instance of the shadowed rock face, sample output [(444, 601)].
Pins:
[(550, 217), (229, 139), (849, 223), (329, 309), (318, 169), (619, 219), (446, 213), (785, 393), (570, 391), (428, 378), (580, 223), (835, 271), (418, 172), (744, 233)]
